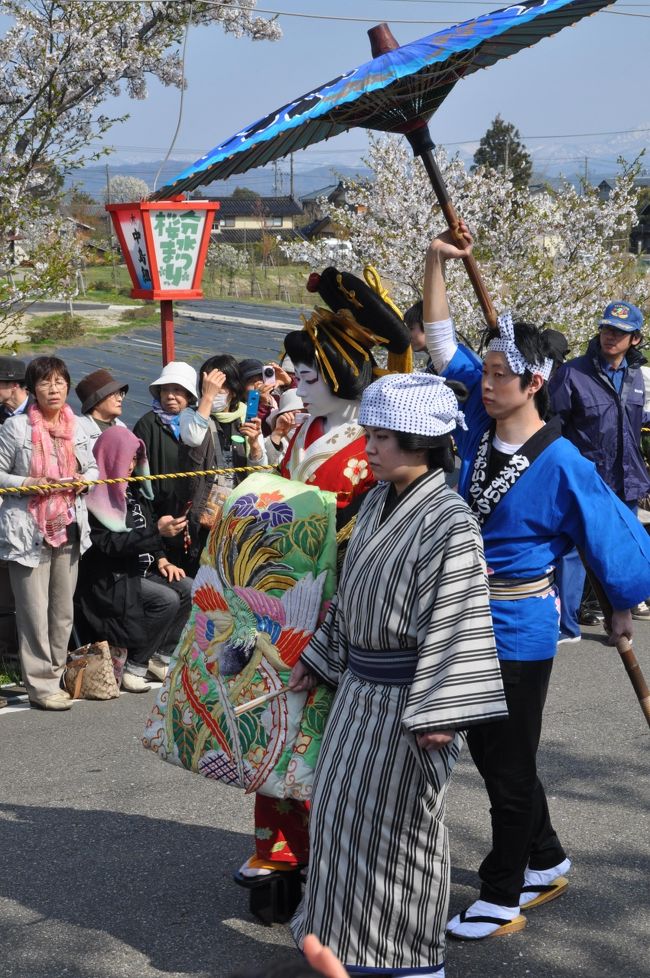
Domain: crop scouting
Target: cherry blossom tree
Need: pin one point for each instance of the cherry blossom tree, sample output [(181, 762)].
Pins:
[(59, 62), (550, 257), (125, 189)]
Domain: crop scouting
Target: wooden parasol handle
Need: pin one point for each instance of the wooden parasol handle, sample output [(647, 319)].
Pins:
[(623, 646), (417, 132), (633, 669), (422, 146)]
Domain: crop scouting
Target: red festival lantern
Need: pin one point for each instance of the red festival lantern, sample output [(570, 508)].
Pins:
[(165, 244)]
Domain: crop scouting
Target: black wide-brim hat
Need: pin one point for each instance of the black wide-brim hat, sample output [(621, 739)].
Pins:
[(12, 370), (343, 290)]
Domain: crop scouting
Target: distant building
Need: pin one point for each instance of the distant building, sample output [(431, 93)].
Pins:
[(316, 205), (245, 220), (640, 234)]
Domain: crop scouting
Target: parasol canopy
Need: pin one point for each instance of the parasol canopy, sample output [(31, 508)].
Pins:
[(397, 91)]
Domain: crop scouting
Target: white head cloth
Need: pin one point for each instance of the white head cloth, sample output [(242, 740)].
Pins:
[(506, 344), (420, 404)]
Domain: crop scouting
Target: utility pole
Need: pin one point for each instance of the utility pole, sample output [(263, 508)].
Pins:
[(586, 176), (291, 174), (275, 177), (506, 155), (111, 242)]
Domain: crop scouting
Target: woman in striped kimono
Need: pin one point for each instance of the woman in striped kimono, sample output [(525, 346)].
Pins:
[(408, 643)]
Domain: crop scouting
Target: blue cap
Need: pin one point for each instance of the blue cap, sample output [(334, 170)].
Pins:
[(622, 315)]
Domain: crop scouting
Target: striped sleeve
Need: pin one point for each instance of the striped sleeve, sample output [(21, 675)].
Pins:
[(326, 654), (458, 678)]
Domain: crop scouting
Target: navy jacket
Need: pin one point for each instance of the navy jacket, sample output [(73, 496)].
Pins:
[(603, 425)]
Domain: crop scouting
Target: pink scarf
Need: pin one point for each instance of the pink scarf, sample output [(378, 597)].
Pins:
[(53, 457)]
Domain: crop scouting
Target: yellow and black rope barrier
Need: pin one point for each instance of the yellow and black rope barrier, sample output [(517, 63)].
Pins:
[(86, 483)]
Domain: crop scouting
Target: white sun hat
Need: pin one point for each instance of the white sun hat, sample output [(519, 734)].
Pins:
[(417, 403), (289, 401), (176, 372)]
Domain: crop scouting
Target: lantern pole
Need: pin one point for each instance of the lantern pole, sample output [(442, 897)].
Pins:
[(167, 329)]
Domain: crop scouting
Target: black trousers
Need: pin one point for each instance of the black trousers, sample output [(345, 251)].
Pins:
[(505, 754), (166, 606)]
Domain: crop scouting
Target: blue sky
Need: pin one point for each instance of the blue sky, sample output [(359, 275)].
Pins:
[(591, 78)]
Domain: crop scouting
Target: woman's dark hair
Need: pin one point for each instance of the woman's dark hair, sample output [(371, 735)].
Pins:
[(439, 448), (42, 368), (301, 350), (414, 315), (229, 366)]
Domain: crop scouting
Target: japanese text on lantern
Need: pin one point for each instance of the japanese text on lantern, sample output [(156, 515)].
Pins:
[(177, 237), (134, 236)]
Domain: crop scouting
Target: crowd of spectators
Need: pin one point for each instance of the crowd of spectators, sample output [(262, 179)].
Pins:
[(115, 562), (139, 545)]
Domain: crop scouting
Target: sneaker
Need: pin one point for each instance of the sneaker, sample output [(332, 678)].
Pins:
[(135, 684), (157, 669), (56, 701), (568, 639), (641, 612)]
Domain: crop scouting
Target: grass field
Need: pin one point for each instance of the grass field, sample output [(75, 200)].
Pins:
[(283, 285)]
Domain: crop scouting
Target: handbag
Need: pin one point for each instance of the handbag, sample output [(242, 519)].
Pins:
[(89, 673), (211, 514)]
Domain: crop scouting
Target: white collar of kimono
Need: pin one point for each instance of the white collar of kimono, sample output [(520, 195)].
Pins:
[(505, 343), (417, 403)]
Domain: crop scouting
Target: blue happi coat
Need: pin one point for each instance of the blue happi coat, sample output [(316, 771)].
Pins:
[(557, 503)]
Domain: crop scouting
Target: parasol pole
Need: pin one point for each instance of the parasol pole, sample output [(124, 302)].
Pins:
[(623, 646), (418, 135)]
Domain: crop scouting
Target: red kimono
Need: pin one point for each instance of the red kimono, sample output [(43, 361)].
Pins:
[(337, 462)]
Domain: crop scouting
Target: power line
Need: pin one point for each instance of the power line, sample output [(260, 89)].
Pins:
[(360, 20), (458, 142)]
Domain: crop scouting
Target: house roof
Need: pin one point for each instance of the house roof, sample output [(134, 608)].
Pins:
[(638, 182), (242, 236), (256, 207), (309, 230), (323, 192)]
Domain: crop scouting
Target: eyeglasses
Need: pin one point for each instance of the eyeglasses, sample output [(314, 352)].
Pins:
[(120, 394), (58, 383)]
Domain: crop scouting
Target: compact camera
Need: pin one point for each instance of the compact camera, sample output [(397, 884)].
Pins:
[(268, 374)]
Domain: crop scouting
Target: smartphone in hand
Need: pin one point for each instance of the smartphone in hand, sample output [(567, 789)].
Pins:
[(252, 405)]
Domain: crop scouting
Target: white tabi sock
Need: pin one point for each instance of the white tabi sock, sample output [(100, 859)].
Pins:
[(481, 908), (542, 877), (253, 872)]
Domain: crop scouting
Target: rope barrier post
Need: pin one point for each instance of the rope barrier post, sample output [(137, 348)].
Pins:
[(167, 329)]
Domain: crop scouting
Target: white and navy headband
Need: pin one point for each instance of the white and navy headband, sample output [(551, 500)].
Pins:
[(505, 343), (417, 403)]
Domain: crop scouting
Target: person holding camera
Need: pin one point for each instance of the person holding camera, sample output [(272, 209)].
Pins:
[(268, 380), (216, 434)]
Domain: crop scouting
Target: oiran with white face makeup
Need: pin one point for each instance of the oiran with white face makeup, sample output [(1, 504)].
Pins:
[(333, 362)]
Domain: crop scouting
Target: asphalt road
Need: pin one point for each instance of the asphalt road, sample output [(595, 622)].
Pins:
[(115, 864), (135, 357)]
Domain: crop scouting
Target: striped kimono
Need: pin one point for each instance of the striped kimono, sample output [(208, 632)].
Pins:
[(408, 642)]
